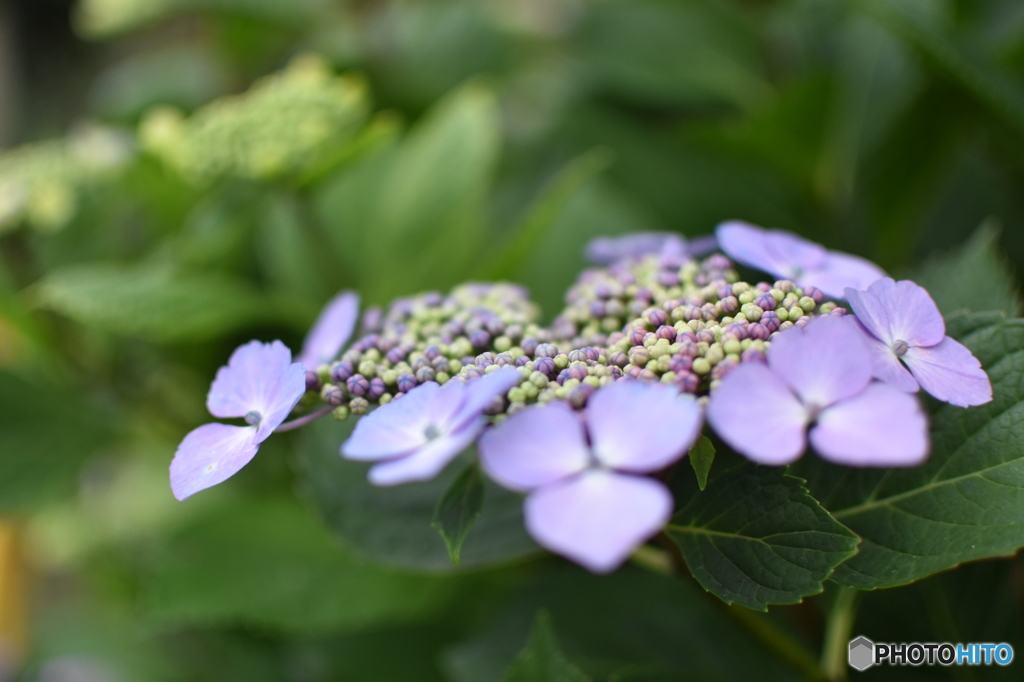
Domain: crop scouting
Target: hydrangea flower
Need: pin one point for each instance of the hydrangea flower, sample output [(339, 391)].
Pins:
[(261, 384), (331, 330), (907, 332), (818, 377), (787, 256), (585, 497), (604, 250), (415, 437)]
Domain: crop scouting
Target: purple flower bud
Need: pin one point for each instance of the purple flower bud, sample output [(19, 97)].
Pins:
[(545, 366), (633, 372), (563, 376), (312, 380), (396, 355), (341, 372), (529, 345), (454, 328), (406, 382), (644, 294), (431, 352), (425, 374), (578, 372), (838, 312), (666, 332), (358, 385), (636, 337), (765, 302), (503, 359), (603, 291), (440, 364), (668, 278), (724, 367), (479, 338), (638, 355), (693, 312), (817, 294), (686, 335), (725, 291), (522, 360), (618, 359), (687, 382), (372, 321), (367, 342), (332, 395), (579, 396), (680, 363), (616, 372), (377, 389), (739, 331), (657, 317), (486, 357), (593, 354), (729, 304), (626, 278), (770, 320), (495, 326), (688, 348), (709, 311), (753, 355), (578, 355), (547, 350), (758, 332), (432, 299), (496, 406), (705, 336), (420, 363), (597, 309)]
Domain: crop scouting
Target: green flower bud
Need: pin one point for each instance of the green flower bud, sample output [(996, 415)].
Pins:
[(807, 303), (668, 378), (442, 377), (517, 394), (502, 344), (732, 346), (745, 297), (530, 390), (341, 412), (592, 380), (385, 399), (373, 355), (701, 366), (358, 405), (390, 377), (367, 368), (715, 354), (324, 373), (561, 361)]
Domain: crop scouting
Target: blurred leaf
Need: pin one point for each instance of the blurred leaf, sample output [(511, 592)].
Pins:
[(392, 525), (542, 660), (396, 215), (702, 456), (966, 502), (672, 52), (630, 625), (756, 537), (268, 562), (527, 235), (149, 302), (46, 433), (288, 253), (458, 510), (973, 278)]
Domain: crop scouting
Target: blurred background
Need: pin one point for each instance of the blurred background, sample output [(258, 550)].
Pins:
[(180, 176)]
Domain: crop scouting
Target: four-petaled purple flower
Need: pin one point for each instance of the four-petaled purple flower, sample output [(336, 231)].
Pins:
[(604, 250), (331, 330), (904, 324), (787, 256), (415, 437), (259, 383), (818, 375), (586, 498)]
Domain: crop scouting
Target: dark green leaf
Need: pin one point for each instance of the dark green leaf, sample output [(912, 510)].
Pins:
[(966, 502), (702, 455), (974, 277), (756, 537), (542, 660), (392, 525), (151, 303), (458, 510), (269, 562)]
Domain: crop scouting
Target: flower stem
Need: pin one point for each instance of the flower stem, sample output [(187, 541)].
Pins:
[(303, 420), (838, 629)]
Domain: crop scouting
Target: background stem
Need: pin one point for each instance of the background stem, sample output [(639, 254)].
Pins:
[(838, 629)]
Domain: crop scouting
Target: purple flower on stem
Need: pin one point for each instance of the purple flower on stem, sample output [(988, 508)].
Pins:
[(787, 256), (818, 376), (416, 437), (906, 332), (261, 384), (331, 330), (585, 497)]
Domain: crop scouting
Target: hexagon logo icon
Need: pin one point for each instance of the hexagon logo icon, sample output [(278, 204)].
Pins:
[(862, 653)]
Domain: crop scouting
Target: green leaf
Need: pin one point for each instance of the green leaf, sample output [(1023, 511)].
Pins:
[(974, 277), (392, 525), (966, 502), (397, 213), (542, 660), (458, 510), (757, 537), (288, 253), (151, 303), (46, 433), (269, 562), (702, 455)]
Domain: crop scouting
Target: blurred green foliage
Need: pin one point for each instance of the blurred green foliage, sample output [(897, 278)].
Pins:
[(233, 163)]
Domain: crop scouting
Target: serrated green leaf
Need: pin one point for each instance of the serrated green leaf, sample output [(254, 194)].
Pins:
[(392, 525), (542, 660), (150, 303), (757, 537), (701, 456), (458, 510), (966, 502), (973, 277), (269, 562)]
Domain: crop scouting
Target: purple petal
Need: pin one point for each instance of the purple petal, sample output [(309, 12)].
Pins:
[(395, 429), (757, 414), (535, 447), (899, 311), (426, 462), (704, 244), (259, 377), (824, 362), (331, 330), (478, 394), (605, 250), (641, 427), (881, 427), (209, 455), (793, 253), (747, 244), (888, 368), (599, 518), (839, 272), (951, 373)]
